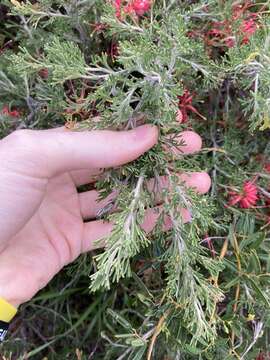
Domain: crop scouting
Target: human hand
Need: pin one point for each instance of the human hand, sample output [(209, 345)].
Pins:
[(41, 213)]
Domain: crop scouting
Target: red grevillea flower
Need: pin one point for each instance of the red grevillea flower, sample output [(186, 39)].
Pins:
[(224, 32), (132, 7), (221, 32), (117, 5), (113, 50), (239, 10), (44, 73), (248, 28), (141, 6), (99, 27), (246, 198), (267, 167), (6, 111), (261, 356), (185, 105), (230, 42)]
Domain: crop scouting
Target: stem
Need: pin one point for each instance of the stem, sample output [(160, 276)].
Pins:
[(156, 333), (237, 290), (221, 256), (134, 202), (257, 333)]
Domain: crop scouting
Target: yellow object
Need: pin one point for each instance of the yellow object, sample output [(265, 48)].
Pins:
[(7, 311), (250, 317), (252, 56), (15, 3), (266, 123)]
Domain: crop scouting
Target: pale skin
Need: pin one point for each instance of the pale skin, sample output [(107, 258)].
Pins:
[(44, 222)]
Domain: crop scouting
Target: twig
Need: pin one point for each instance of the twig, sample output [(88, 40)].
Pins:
[(156, 333), (221, 256), (237, 290), (257, 333)]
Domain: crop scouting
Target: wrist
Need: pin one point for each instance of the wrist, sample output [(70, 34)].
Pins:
[(14, 287), (22, 274), (7, 288)]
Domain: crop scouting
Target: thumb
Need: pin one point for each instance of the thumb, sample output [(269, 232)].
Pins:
[(43, 153)]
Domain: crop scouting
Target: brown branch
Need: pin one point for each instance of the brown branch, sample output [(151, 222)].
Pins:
[(156, 333)]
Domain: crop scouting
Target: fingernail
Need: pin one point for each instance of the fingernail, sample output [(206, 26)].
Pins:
[(146, 131), (192, 143)]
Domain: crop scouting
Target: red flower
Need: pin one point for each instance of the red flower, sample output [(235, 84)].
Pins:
[(261, 356), (113, 50), (192, 34), (6, 111), (267, 167), (248, 28), (230, 42), (44, 73), (223, 32), (247, 197), (185, 105), (132, 7), (141, 6), (218, 28), (117, 4), (98, 27)]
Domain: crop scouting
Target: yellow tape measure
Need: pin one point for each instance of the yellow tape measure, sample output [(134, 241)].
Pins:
[(7, 311)]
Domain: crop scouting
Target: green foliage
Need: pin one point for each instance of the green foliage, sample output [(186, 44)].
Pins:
[(125, 242), (174, 294)]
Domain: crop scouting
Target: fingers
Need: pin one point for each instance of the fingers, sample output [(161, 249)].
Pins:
[(189, 142), (198, 181), (90, 206), (46, 153), (85, 176), (98, 149), (56, 129), (152, 216), (95, 232)]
